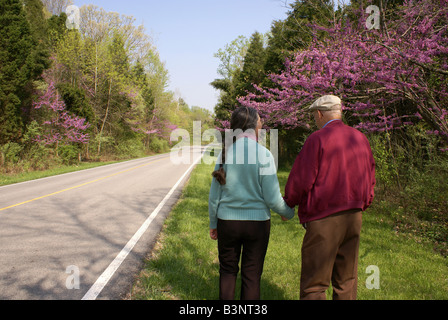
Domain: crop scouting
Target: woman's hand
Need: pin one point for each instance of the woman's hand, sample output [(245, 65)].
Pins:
[(214, 234)]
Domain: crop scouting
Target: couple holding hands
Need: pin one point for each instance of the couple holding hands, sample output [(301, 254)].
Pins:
[(332, 182)]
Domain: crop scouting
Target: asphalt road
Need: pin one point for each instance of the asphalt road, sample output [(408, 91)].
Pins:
[(60, 237)]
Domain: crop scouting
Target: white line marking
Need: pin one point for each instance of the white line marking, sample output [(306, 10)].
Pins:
[(102, 281)]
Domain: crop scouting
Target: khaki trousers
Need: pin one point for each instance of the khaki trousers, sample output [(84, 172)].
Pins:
[(330, 254)]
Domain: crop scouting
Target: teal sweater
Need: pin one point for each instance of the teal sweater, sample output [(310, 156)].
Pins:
[(252, 189)]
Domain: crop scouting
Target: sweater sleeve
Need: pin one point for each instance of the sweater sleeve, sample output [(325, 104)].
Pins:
[(372, 181), (303, 174), (271, 191), (213, 201)]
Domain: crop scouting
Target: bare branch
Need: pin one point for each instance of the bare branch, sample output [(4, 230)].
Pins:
[(56, 7)]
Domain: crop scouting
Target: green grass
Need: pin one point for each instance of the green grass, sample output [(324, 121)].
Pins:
[(184, 265), (6, 179)]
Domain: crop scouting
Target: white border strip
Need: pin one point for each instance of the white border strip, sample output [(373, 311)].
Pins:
[(102, 281)]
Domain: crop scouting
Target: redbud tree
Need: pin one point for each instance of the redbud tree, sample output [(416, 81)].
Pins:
[(387, 78), (58, 125)]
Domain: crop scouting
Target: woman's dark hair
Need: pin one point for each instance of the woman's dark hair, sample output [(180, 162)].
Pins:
[(243, 118)]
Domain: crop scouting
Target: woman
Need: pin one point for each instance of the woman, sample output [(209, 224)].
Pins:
[(244, 189)]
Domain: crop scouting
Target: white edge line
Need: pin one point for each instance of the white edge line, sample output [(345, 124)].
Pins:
[(102, 281)]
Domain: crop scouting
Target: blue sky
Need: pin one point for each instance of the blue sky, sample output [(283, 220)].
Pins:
[(187, 33)]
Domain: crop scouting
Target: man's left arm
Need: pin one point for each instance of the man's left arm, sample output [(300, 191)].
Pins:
[(373, 181), (303, 174)]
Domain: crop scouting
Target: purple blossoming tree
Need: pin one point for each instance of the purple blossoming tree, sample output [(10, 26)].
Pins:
[(59, 127), (404, 63)]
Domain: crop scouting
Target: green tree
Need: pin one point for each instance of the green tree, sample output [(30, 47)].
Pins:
[(56, 29), (21, 63), (295, 32), (40, 55), (253, 71), (114, 89), (231, 58), (76, 102), (34, 11), (227, 98), (119, 55)]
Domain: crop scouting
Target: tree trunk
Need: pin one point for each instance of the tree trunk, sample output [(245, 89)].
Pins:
[(96, 67), (105, 117)]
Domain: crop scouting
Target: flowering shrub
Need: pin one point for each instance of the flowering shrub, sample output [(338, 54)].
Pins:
[(59, 126), (406, 62)]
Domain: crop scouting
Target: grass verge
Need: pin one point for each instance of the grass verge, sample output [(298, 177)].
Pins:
[(184, 264), (7, 179)]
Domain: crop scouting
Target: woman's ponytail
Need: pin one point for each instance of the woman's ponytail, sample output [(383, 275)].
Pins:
[(243, 118), (220, 174)]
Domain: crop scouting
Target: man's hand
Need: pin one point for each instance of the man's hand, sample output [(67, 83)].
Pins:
[(285, 219), (214, 234)]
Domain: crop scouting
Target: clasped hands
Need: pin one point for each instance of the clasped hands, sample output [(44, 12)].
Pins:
[(214, 232)]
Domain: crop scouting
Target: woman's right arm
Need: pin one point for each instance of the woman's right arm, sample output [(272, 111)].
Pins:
[(271, 192)]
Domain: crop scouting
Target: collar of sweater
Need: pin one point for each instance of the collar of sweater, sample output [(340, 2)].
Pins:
[(249, 135)]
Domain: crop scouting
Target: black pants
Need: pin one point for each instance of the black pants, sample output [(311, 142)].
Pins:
[(252, 238)]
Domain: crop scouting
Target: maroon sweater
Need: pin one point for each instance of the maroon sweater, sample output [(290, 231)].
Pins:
[(334, 172)]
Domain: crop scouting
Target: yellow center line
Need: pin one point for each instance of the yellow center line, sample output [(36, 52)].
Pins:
[(81, 185)]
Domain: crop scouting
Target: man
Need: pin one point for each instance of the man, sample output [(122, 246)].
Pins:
[(332, 181)]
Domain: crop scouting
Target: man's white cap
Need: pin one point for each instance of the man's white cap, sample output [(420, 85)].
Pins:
[(327, 103)]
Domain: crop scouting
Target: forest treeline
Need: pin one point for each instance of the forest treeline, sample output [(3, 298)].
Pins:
[(81, 92), (389, 66)]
